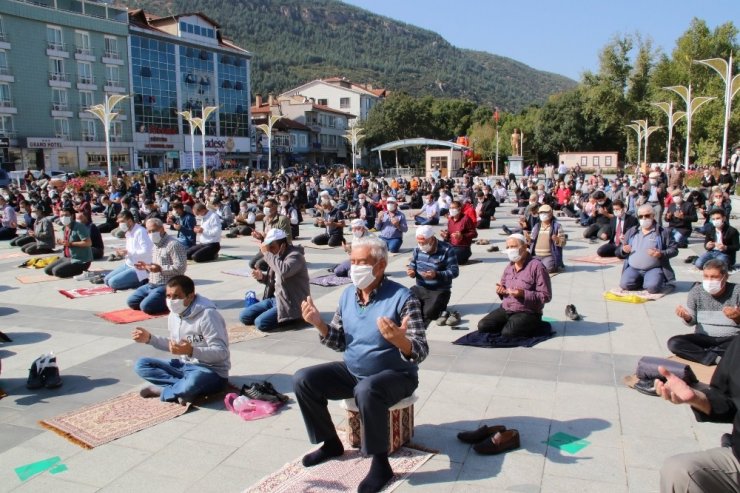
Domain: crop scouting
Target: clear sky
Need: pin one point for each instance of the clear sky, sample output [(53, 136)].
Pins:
[(561, 36)]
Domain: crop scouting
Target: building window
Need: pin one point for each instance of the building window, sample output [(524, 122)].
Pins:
[(59, 99), (4, 69), (116, 131), (2, 30), (56, 67), (5, 99), (113, 75), (438, 162), (596, 160), (323, 102), (303, 140), (344, 102), (84, 73), (607, 160), (6, 125), (61, 128), (88, 130), (86, 100), (82, 43), (111, 47), (54, 40)]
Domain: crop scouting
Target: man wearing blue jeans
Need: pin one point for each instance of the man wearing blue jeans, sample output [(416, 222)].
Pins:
[(720, 241), (391, 225), (197, 340), (138, 249), (169, 259)]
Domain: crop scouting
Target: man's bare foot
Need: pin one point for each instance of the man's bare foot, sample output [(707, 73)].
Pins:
[(151, 391)]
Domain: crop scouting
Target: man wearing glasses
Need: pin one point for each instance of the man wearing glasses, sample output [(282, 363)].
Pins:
[(647, 250)]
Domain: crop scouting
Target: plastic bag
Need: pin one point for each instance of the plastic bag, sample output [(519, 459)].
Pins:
[(250, 298), (250, 409)]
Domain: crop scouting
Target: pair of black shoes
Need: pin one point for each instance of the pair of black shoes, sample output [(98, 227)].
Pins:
[(263, 391), (44, 372), (572, 313), (491, 440)]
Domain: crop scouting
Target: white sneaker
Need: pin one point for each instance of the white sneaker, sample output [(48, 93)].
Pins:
[(85, 276)]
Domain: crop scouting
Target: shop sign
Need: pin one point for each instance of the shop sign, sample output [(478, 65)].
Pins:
[(159, 142), (44, 143)]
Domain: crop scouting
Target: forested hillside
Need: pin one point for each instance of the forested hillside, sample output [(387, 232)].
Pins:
[(296, 41)]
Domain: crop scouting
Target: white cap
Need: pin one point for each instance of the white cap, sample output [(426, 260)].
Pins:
[(358, 223), (520, 237), (424, 231), (391, 199), (272, 235)]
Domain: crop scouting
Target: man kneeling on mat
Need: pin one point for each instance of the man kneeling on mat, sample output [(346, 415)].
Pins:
[(380, 329), (197, 339)]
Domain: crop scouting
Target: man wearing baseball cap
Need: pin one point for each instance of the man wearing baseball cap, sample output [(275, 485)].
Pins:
[(286, 284)]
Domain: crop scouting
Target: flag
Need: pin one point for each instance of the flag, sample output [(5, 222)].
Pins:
[(495, 115)]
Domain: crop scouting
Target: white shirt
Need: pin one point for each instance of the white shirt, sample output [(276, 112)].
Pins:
[(211, 229), (430, 210), (138, 249), (444, 202)]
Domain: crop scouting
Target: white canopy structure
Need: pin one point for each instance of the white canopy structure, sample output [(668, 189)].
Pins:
[(417, 142)]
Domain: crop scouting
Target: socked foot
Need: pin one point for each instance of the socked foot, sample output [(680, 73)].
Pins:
[(329, 450), (380, 473), (151, 391)]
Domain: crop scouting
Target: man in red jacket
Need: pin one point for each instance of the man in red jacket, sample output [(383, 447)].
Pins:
[(460, 232)]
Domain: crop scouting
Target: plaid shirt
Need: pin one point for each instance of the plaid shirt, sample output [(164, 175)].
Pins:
[(416, 332), (172, 257)]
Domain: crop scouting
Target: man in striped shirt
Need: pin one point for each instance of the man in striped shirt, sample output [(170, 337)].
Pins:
[(169, 259)]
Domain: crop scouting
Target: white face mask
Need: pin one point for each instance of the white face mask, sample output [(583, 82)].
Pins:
[(618, 213), (653, 182), (391, 207), (454, 212), (176, 306), (283, 203), (677, 200), (544, 217), (66, 220), (123, 227), (426, 248), (34, 215), (646, 223), (718, 222), (362, 275), (513, 254), (156, 237), (266, 210), (325, 200), (362, 201), (711, 286)]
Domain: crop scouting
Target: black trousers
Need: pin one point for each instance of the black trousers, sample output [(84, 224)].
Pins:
[(107, 227), (432, 302), (204, 252), (607, 250), (514, 324), (22, 240), (97, 253), (462, 253), (258, 262), (36, 248), (326, 239), (316, 385), (241, 230), (701, 348), (65, 268)]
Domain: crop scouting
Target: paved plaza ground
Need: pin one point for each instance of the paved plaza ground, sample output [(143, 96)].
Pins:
[(571, 383)]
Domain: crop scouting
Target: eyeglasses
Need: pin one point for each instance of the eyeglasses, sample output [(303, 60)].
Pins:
[(645, 216)]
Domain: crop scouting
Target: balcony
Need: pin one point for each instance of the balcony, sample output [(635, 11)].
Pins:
[(112, 85), (86, 82), (88, 137), (84, 53), (7, 107), (59, 107), (116, 138), (4, 43), (57, 49), (112, 57), (62, 135), (60, 110)]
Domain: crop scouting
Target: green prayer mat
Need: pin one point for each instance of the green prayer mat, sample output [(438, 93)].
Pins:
[(548, 319), (30, 470), (567, 443)]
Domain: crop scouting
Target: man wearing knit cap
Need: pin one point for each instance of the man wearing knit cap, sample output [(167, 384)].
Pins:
[(434, 266), (359, 229)]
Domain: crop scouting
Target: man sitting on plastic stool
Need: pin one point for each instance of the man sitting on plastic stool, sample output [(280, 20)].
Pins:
[(379, 327)]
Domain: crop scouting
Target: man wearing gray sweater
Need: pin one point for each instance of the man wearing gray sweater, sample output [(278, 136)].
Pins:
[(714, 308)]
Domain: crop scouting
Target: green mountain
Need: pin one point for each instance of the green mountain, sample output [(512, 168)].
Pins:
[(296, 41)]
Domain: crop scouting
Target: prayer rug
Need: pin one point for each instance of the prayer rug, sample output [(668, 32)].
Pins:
[(341, 474), (330, 280), (487, 339), (640, 296), (109, 420), (127, 316), (703, 373), (33, 279), (595, 259), (4, 256), (86, 292), (241, 333), (246, 272)]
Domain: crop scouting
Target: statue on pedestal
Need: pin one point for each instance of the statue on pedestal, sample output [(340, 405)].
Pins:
[(516, 143)]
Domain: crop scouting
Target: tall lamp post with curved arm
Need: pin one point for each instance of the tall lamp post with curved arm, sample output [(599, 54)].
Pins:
[(692, 104), (267, 129), (732, 87), (637, 128), (354, 135), (673, 118), (198, 122), (105, 113)]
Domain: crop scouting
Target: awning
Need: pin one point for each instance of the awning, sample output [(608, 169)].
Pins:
[(398, 144)]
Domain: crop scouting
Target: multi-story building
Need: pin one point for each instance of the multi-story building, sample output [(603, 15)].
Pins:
[(58, 58), (292, 142), (179, 63)]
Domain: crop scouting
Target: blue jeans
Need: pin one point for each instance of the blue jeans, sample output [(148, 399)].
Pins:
[(123, 277), (263, 315), (179, 379), (422, 221), (149, 299), (681, 240), (651, 280), (394, 244), (709, 255)]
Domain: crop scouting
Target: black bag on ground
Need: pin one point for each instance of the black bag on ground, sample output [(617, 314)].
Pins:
[(647, 369)]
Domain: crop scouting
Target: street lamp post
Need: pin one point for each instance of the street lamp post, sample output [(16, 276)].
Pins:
[(673, 118), (105, 113), (692, 104), (354, 135), (267, 129), (732, 87), (637, 128), (200, 124)]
